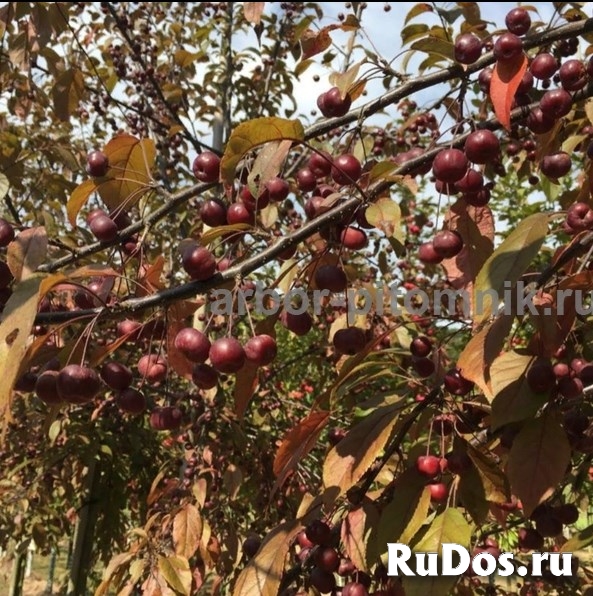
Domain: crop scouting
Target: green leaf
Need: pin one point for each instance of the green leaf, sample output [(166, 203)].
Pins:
[(176, 572), (508, 263), (412, 32), (353, 455), (435, 46), (538, 460), (513, 398), (418, 518), (183, 58), (248, 135), (215, 233), (449, 526)]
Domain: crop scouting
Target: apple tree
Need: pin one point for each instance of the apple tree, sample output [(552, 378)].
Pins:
[(246, 343)]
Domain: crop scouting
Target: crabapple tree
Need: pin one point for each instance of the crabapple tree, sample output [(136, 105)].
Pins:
[(273, 298)]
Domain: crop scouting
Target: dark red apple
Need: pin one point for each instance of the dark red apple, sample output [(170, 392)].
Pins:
[(193, 344), (227, 355), (78, 384), (153, 368), (261, 349)]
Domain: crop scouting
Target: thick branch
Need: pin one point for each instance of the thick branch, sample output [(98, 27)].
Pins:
[(270, 253)]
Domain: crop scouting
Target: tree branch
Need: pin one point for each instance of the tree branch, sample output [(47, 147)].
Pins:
[(253, 263)]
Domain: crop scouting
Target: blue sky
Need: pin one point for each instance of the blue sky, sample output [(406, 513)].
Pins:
[(383, 28)]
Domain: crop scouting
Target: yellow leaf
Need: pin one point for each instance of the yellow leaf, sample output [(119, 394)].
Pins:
[(130, 163), (263, 573), (187, 531), (78, 198), (27, 252), (353, 455), (18, 317), (252, 12), (253, 133), (176, 572)]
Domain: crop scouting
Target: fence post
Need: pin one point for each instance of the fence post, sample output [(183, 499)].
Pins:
[(18, 569), (83, 535)]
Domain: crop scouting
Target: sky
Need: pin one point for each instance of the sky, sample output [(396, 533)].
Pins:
[(383, 29)]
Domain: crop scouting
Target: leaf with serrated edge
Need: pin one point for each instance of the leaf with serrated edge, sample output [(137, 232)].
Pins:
[(353, 455), (418, 518), (481, 351), (494, 480), (472, 495), (354, 531), (450, 526), (506, 78), (130, 164), (18, 317), (187, 531), (538, 460), (297, 443), (508, 262), (263, 573), (248, 135), (267, 165), (475, 225), (176, 572), (513, 399), (344, 81)]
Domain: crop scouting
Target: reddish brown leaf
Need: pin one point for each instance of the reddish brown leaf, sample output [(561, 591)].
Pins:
[(538, 460), (355, 529), (315, 42), (476, 227), (245, 386), (297, 443), (129, 175), (506, 79)]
